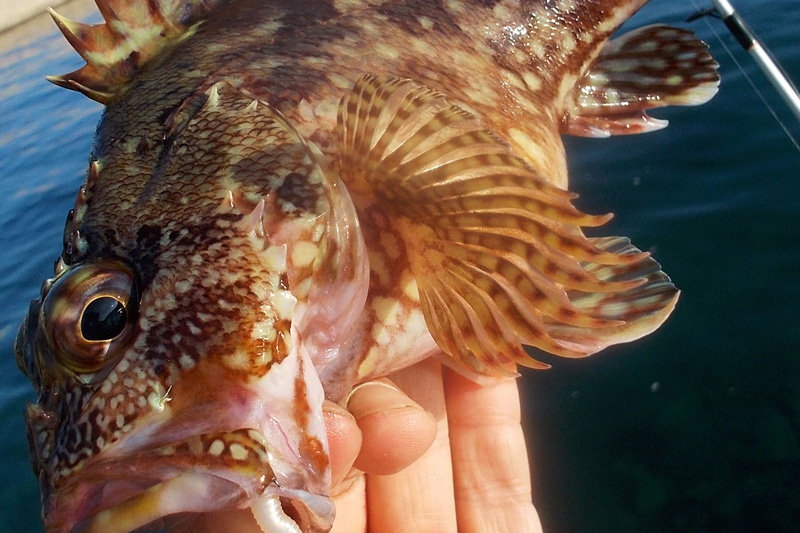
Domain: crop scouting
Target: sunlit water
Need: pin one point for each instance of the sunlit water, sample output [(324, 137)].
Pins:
[(696, 428)]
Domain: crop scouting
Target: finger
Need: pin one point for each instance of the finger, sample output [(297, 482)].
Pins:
[(490, 461), (344, 439), (351, 505), (395, 430), (420, 497), (348, 493)]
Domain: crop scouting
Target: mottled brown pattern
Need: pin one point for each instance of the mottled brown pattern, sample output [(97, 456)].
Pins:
[(225, 182)]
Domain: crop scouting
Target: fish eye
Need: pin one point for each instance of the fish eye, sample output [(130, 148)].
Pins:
[(103, 319), (88, 315)]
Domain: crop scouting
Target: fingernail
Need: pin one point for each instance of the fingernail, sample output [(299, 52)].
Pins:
[(335, 410), (378, 396)]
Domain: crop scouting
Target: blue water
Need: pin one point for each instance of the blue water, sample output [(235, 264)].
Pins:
[(695, 428)]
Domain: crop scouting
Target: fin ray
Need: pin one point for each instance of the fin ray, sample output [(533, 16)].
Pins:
[(497, 252), (653, 66), (642, 308)]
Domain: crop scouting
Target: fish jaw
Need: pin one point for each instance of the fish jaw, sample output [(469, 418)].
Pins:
[(201, 451)]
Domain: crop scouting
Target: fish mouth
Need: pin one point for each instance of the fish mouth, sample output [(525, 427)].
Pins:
[(187, 480), (189, 497)]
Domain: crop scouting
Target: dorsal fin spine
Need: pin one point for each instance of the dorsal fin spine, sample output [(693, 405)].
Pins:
[(133, 34)]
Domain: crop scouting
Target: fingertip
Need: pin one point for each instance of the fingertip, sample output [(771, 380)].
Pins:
[(395, 430), (344, 439)]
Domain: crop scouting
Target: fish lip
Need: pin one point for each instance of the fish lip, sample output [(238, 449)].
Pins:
[(110, 490), (275, 511), (185, 492)]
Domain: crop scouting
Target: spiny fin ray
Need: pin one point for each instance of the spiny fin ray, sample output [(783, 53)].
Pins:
[(134, 33), (497, 252)]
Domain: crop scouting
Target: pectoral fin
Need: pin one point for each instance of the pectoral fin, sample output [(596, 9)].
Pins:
[(497, 252), (650, 67)]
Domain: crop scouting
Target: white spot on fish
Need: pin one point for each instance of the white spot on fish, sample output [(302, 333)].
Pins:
[(343, 6), (183, 286), (303, 254), (386, 51), (533, 82), (339, 81), (566, 6), (237, 360), (512, 78), (274, 258), (216, 448), (380, 334), (186, 361), (257, 436), (410, 288), (501, 12), (422, 46), (167, 450), (537, 49), (238, 452), (568, 43), (265, 329), (455, 6)]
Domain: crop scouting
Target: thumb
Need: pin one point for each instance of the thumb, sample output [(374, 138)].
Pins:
[(395, 430)]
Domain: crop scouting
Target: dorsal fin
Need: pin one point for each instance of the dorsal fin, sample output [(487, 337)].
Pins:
[(134, 32)]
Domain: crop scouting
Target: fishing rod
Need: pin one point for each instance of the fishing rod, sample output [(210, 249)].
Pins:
[(747, 39)]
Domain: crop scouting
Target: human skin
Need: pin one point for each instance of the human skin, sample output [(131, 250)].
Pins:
[(424, 451)]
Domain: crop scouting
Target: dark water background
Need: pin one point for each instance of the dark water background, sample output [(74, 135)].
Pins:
[(695, 428)]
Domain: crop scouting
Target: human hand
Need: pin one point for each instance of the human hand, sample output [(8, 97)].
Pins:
[(474, 477), (428, 451)]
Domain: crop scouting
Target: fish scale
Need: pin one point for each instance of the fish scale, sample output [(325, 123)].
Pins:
[(285, 199)]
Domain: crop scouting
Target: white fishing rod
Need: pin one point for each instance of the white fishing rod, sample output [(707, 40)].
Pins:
[(748, 40)]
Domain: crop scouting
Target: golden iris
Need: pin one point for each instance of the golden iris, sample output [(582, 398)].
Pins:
[(89, 314)]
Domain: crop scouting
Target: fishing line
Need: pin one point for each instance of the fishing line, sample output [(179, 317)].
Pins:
[(701, 13)]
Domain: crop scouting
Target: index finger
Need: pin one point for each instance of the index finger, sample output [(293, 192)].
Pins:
[(490, 462)]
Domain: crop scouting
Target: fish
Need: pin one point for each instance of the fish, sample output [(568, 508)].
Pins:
[(286, 199)]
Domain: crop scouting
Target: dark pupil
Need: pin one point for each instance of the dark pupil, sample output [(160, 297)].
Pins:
[(103, 319)]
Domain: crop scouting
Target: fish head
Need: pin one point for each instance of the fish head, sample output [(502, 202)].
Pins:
[(121, 423), (165, 352)]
